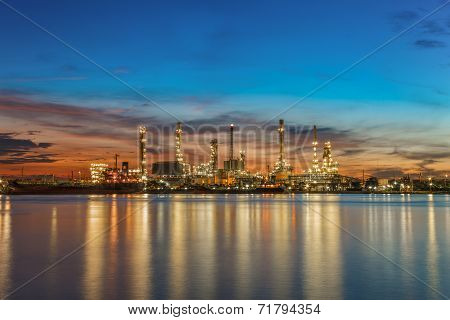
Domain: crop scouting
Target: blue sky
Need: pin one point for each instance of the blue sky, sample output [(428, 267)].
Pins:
[(207, 59)]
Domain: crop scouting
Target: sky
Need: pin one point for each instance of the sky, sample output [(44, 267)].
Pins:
[(77, 77)]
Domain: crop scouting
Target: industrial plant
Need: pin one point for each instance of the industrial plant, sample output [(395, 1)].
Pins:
[(178, 175), (322, 175)]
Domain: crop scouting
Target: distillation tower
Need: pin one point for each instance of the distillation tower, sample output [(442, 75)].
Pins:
[(242, 159), (213, 162), (315, 162), (142, 151), (281, 141), (328, 164), (281, 165), (178, 151)]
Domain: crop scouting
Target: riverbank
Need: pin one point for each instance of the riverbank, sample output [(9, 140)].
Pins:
[(83, 190)]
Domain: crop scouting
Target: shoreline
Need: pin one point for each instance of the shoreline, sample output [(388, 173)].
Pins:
[(199, 192)]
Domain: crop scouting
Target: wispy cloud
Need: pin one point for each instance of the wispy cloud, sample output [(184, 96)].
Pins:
[(430, 27), (433, 27), (352, 152), (43, 79), (15, 92), (16, 151), (39, 158), (69, 68), (10, 144), (121, 70), (72, 119), (425, 163), (426, 43), (421, 155), (388, 172), (402, 19)]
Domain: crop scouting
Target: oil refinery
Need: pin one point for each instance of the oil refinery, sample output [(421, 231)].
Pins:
[(319, 174), (178, 174)]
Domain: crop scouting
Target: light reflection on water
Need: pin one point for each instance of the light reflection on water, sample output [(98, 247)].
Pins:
[(5, 245), (225, 246)]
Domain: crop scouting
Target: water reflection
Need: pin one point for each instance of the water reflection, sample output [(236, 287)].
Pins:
[(245, 213), (226, 246), (53, 234), (322, 267), (178, 234), (93, 277), (140, 251), (432, 247), (5, 245)]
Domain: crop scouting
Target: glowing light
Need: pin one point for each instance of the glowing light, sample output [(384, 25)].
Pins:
[(98, 172)]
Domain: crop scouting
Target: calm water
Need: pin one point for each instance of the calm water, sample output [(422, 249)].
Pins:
[(226, 246)]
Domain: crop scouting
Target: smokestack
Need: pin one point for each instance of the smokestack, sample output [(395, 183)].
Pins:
[(281, 140), (231, 142), (116, 156), (142, 152)]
